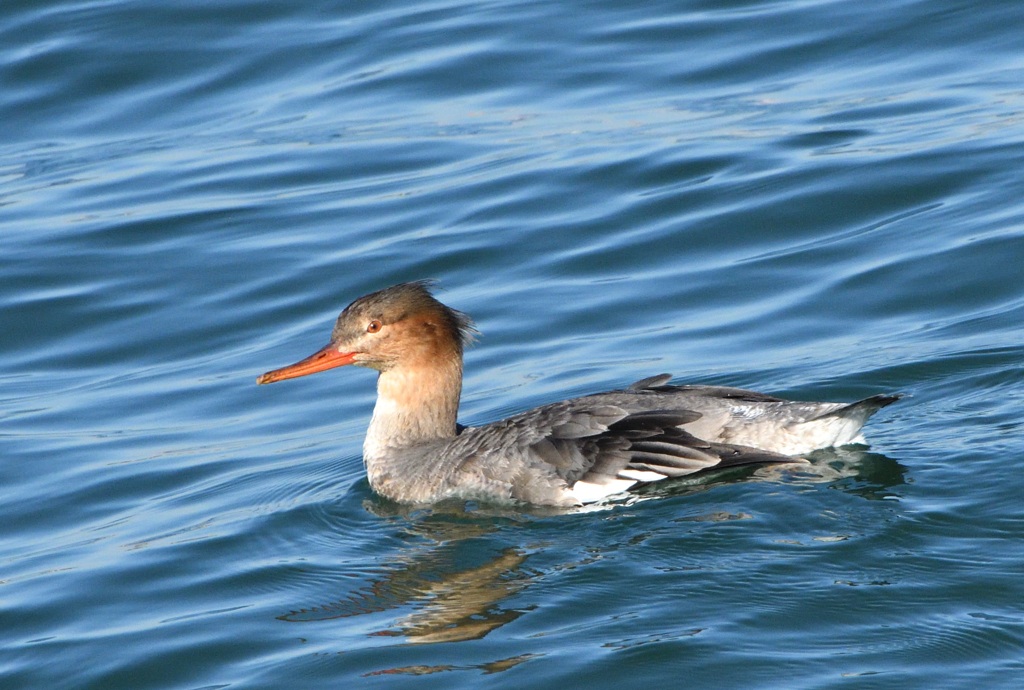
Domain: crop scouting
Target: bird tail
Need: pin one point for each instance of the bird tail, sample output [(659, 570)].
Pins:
[(850, 418)]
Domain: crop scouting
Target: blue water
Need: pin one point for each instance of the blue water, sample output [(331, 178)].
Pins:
[(816, 199)]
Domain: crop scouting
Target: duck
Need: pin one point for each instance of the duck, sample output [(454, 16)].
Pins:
[(582, 450)]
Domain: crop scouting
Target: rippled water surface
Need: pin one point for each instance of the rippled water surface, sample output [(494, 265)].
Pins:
[(816, 199)]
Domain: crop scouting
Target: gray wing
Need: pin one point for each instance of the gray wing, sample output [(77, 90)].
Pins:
[(585, 449)]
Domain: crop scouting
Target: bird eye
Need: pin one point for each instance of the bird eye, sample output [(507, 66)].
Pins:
[(374, 326)]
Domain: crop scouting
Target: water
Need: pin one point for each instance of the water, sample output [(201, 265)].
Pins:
[(815, 199)]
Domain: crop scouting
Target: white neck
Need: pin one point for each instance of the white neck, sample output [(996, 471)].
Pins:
[(415, 405)]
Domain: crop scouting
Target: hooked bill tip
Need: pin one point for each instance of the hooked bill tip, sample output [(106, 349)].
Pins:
[(327, 357)]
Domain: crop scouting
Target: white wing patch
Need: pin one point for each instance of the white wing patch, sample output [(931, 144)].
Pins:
[(641, 475), (591, 492), (595, 491)]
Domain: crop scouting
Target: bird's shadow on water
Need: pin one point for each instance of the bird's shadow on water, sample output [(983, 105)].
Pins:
[(462, 564)]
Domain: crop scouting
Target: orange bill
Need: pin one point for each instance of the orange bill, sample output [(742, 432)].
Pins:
[(326, 358)]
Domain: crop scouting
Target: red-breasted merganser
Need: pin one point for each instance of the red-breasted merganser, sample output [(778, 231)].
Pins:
[(566, 453)]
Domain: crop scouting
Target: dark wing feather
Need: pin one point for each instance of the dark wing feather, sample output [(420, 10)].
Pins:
[(673, 452), (659, 384)]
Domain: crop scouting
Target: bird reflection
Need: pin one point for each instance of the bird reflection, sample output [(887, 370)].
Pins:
[(454, 587), (463, 605)]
